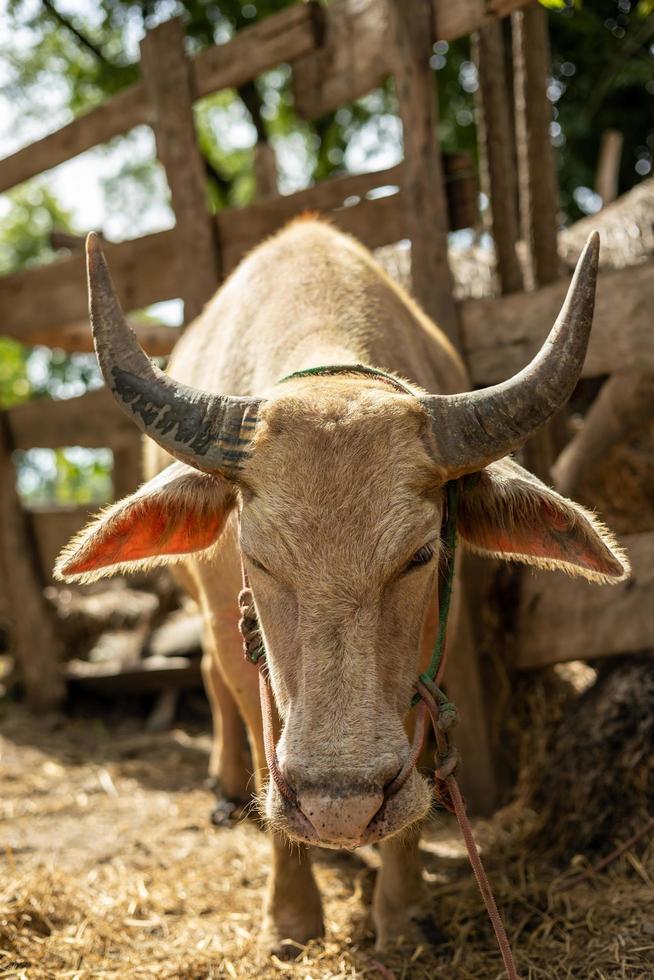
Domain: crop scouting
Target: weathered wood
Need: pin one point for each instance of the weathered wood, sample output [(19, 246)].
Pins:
[(355, 55), (33, 637), (625, 403), (375, 222), (144, 269), (496, 138), (281, 37), (168, 81), (500, 336), (35, 303), (127, 473), (536, 170), (608, 165), (124, 111), (423, 184), (536, 181), (151, 674), (53, 529), (562, 619), (284, 36), (92, 420), (265, 171)]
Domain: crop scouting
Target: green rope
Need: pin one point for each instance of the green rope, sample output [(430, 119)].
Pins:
[(449, 543)]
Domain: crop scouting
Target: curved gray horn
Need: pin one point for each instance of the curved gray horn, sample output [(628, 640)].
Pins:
[(475, 428), (207, 431)]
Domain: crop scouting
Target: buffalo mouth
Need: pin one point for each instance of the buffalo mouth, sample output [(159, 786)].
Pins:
[(401, 813)]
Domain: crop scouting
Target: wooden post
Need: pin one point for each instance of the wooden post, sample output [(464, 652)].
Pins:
[(128, 469), (536, 181), (608, 165), (427, 209), (168, 80), (33, 635), (265, 171), (496, 140), (432, 287), (536, 170)]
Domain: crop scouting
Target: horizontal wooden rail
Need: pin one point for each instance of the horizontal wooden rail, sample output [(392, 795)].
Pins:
[(356, 56), (500, 336), (93, 420), (354, 59), (39, 305), (283, 36), (48, 304), (562, 619)]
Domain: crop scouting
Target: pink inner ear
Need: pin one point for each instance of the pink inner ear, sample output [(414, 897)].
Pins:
[(548, 535), (142, 532)]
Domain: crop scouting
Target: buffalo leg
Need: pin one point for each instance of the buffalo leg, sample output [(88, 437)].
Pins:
[(398, 894), (229, 763)]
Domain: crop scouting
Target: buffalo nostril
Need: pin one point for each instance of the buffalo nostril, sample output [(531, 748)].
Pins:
[(342, 819)]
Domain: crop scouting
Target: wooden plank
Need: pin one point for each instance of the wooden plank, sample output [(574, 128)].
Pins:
[(242, 228), (454, 20), (355, 56), (535, 156), (151, 674), (562, 619), (282, 37), (353, 59), (423, 184), (155, 338), (37, 301), (500, 336), (53, 528), (622, 408), (346, 199), (496, 140), (124, 111), (93, 420), (33, 637), (168, 82)]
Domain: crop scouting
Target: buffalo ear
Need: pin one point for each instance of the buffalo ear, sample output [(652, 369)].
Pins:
[(179, 511), (506, 512)]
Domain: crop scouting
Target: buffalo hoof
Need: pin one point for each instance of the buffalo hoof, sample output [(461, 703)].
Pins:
[(287, 942), (227, 809)]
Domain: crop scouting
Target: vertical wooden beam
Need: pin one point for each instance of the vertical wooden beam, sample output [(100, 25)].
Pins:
[(536, 169), (127, 469), (608, 165), (168, 80), (33, 634), (265, 171), (416, 93), (496, 140), (536, 180)]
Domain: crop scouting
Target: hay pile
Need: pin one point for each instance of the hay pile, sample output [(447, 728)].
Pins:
[(112, 870)]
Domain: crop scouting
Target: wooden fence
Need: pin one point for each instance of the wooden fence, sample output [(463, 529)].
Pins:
[(337, 53)]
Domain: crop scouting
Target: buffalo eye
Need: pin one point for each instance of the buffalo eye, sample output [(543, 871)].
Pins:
[(422, 557)]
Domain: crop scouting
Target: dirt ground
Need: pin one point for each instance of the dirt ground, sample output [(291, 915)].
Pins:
[(112, 869)]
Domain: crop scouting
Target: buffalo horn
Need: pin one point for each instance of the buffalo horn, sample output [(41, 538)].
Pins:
[(209, 432), (475, 428)]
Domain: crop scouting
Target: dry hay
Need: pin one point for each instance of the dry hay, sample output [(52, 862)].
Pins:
[(112, 870)]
